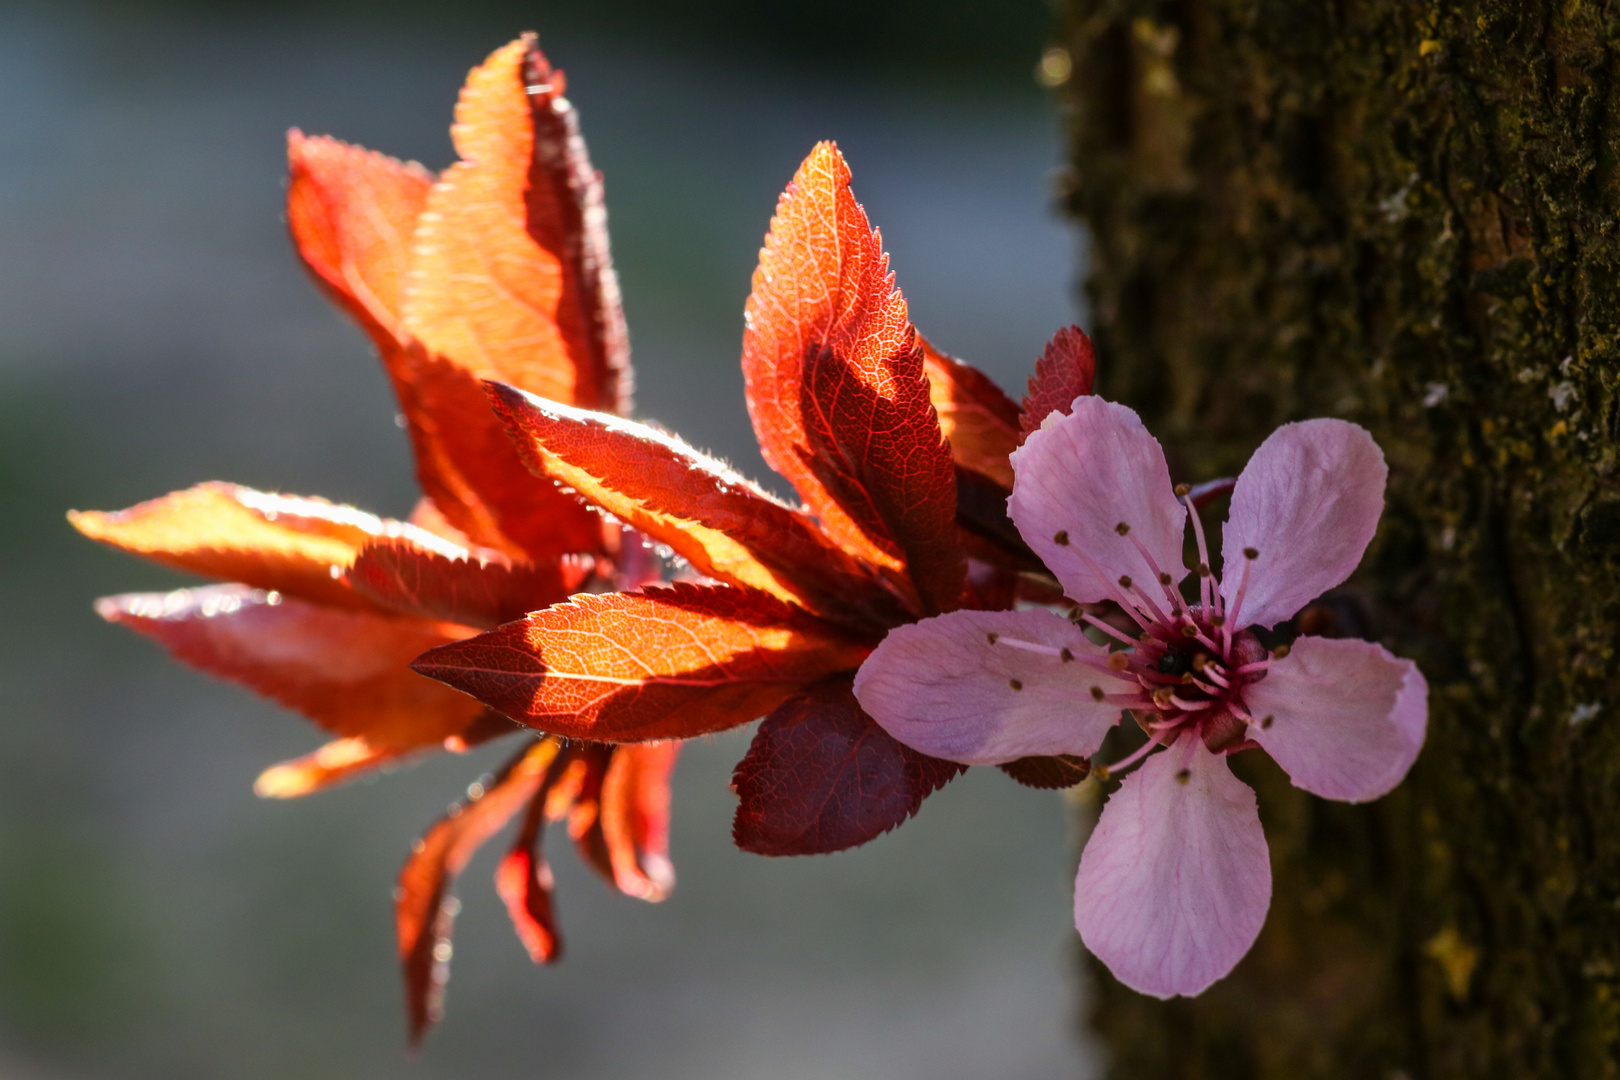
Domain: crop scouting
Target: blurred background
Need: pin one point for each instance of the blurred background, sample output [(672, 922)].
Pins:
[(156, 919)]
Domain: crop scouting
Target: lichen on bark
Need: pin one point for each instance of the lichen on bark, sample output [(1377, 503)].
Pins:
[(1406, 214)]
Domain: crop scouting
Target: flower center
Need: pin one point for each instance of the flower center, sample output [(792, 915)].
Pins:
[(1190, 663)]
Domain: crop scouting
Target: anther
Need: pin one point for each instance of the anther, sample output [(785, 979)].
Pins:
[(1183, 776), (1100, 772), (1280, 651), (1251, 553), (1266, 723), (1061, 538), (992, 637), (1189, 631), (1183, 490), (1125, 581), (1162, 696), (1066, 655), (1015, 684), (1118, 661), (1097, 693), (1203, 570), (1165, 579), (1217, 620), (1122, 528)]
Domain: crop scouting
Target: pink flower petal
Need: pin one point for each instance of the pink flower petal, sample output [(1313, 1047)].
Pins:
[(1175, 881), (1346, 718), (1077, 479), (941, 686), (1308, 501)]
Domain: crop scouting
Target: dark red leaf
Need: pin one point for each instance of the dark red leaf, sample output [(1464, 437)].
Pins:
[(1048, 773), (822, 776), (979, 421), (836, 387), (658, 664), (1063, 373), (424, 911), (721, 523), (405, 577)]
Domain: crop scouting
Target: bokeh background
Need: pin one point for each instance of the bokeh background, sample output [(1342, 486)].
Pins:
[(156, 919)]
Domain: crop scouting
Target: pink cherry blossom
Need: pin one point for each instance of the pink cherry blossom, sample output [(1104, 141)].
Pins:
[(1175, 881)]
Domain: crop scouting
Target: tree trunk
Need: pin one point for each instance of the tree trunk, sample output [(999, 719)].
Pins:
[(1404, 214)]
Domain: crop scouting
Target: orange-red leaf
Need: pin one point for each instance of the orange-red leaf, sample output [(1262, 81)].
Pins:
[(658, 664), (979, 421), (721, 523), (524, 882), (423, 909), (822, 776), (297, 546), (332, 763), (1063, 373), (352, 213), (511, 277), (407, 578), (346, 670), (634, 818), (836, 387)]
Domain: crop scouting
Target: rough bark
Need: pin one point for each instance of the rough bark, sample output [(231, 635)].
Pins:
[(1406, 214)]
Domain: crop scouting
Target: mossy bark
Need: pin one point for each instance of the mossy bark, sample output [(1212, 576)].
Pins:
[(1406, 214)]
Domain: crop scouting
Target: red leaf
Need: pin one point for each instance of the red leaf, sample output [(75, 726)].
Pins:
[(836, 387), (292, 545), (412, 580), (1063, 373), (1048, 773), (725, 526), (352, 214), (822, 776), (658, 664), (524, 881), (423, 909), (332, 763), (511, 276), (634, 819), (346, 670), (979, 421)]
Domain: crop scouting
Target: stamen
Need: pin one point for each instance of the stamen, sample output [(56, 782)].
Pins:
[(1215, 677), (1189, 706), (1281, 651), (1105, 771), (1122, 528), (1128, 585), (1061, 538), (1236, 611), (1118, 661), (1118, 597), (1204, 584), (992, 637), (1065, 654), (1092, 620), (1031, 646), (1165, 580), (1258, 665), (1015, 684)]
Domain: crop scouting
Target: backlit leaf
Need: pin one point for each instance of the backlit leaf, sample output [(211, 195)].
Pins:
[(634, 818), (657, 664), (822, 776), (836, 388), (511, 276), (424, 911), (297, 546), (345, 669), (979, 421), (1063, 373), (721, 523), (407, 578), (352, 213)]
